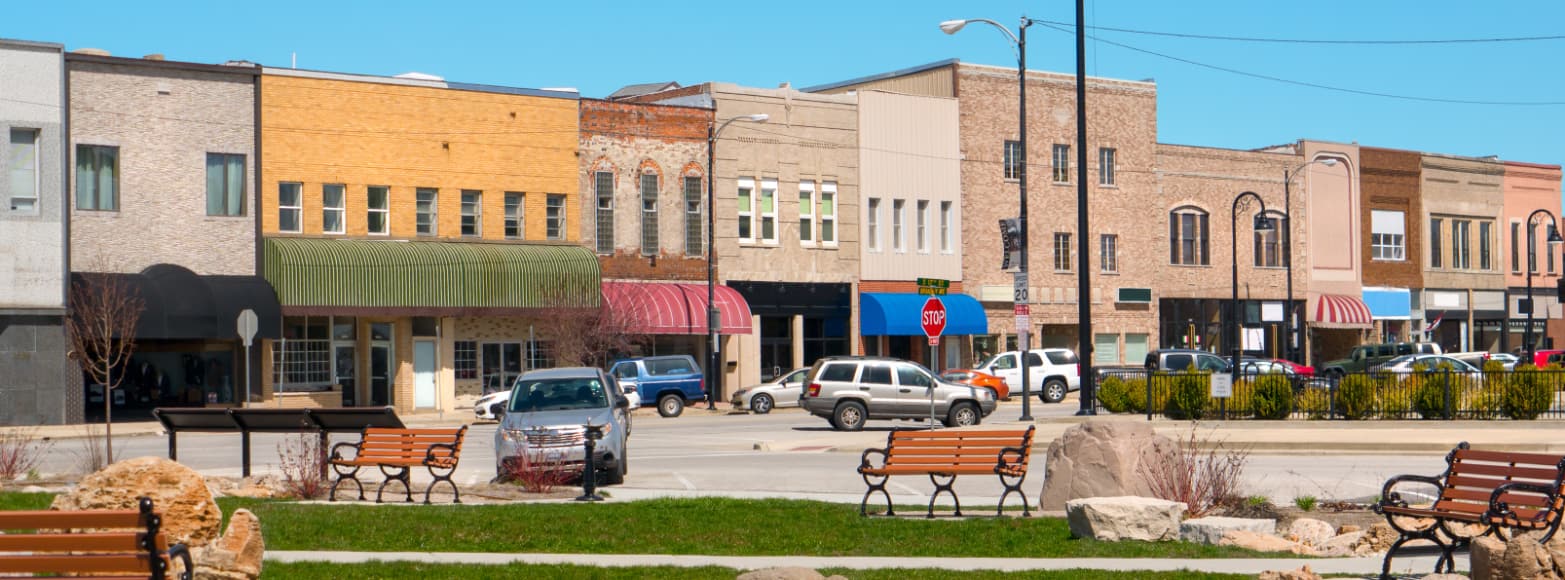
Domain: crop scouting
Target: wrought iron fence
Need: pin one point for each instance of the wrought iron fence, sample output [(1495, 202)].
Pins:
[(1436, 394)]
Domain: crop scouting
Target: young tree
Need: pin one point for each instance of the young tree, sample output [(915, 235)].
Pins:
[(104, 311), (587, 334)]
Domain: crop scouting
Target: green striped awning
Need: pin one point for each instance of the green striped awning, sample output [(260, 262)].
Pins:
[(319, 276)]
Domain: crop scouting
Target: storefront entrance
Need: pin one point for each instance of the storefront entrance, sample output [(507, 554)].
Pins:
[(382, 363), (776, 346)]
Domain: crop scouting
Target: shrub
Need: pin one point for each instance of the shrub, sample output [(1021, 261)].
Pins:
[(1314, 402), (1305, 502), (20, 452), (1485, 399), (1395, 400), (1196, 471), (1429, 397), (1356, 396), (302, 460), (1113, 395), (1272, 397), (1239, 405), (536, 473), (1136, 395), (1190, 396), (1528, 395)]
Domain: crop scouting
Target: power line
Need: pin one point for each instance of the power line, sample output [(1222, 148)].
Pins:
[(1317, 85), (1371, 42)]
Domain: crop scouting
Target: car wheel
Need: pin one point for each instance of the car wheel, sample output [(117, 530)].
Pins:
[(1053, 391), (670, 405), (849, 416), (616, 474), (963, 415), (993, 392), (761, 404)]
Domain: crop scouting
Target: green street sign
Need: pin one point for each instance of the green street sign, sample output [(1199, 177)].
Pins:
[(934, 283), (927, 291)]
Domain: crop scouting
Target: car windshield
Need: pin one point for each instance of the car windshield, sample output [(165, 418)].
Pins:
[(989, 361), (558, 395), (669, 366)]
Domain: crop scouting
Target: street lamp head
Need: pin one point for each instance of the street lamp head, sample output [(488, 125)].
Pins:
[(952, 26), (1262, 223), (1554, 235), (756, 118), (1328, 161)]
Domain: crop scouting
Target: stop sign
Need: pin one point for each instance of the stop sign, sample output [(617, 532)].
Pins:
[(933, 317)]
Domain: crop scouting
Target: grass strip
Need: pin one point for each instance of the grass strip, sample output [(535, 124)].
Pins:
[(18, 501), (378, 570)]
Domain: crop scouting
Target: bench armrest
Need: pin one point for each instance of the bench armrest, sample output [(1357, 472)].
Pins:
[(183, 553), (1017, 455), (429, 454), (1392, 498), (335, 454), (864, 458), (1498, 509)]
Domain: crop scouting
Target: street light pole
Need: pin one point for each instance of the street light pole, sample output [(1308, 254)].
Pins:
[(713, 315), (1089, 385), (1262, 224), (1532, 264), (1290, 345)]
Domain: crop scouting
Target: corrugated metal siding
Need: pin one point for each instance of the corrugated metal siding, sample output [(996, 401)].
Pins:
[(395, 274), (909, 150), (930, 83)]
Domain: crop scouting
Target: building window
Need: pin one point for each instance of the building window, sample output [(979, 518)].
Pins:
[(378, 217), (828, 213), (872, 219), (769, 211), (1062, 163), (1062, 252), (1136, 347), (1106, 166), (1548, 251), (540, 354), (921, 223), (302, 358), (603, 192), (694, 229), (1013, 160), (649, 214), (1268, 243), (289, 206), (98, 178), (896, 225), (500, 364), (945, 227), (1434, 242), (554, 217), (466, 363), (427, 207), (807, 213), (1105, 349), (1485, 249), (1108, 252), (746, 198), (515, 222), (1461, 244), (1188, 237), (1388, 236), (225, 184), (332, 208), (23, 164), (1516, 244), (472, 213)]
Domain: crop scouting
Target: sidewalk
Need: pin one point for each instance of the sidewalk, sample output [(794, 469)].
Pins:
[(1414, 565)]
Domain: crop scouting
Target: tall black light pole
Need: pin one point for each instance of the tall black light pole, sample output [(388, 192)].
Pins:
[(1532, 264), (951, 27), (713, 316), (1089, 386), (1290, 345), (1262, 224)]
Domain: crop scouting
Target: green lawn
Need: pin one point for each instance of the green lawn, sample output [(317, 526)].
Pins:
[(25, 501), (378, 570)]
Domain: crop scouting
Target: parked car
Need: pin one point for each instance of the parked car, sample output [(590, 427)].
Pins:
[(1507, 359), (1542, 358), (670, 382), (1366, 356), (1407, 363), (996, 384), (497, 388), (544, 423), (1053, 372), (1252, 366), (1475, 358), (849, 390), (1179, 359), (782, 391)]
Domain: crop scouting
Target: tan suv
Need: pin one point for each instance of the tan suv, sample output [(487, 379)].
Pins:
[(849, 390)]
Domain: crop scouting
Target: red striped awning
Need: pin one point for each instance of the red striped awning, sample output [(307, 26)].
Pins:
[(1339, 311), (668, 308)]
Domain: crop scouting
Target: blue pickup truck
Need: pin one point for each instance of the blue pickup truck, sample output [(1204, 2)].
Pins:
[(670, 382)]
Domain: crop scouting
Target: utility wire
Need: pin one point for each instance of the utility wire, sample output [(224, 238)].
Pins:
[(1501, 39)]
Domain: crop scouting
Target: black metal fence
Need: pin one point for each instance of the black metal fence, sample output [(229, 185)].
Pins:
[(1439, 394)]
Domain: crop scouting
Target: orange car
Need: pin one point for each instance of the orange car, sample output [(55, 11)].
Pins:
[(1001, 390)]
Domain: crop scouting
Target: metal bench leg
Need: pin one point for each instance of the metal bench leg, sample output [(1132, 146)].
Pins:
[(351, 475), (943, 487), (400, 476), (1408, 536), (879, 486), (442, 478), (1017, 488)]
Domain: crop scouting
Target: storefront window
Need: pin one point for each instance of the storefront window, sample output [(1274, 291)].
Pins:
[(302, 359)]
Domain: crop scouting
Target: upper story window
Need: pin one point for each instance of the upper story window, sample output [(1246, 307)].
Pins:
[(23, 167), (1013, 160), (1188, 236), (769, 211), (946, 226), (225, 184), (554, 217), (828, 213), (897, 206), (603, 214), (1268, 243), (872, 224), (515, 222), (427, 208), (921, 226), (332, 208), (694, 229), (1062, 252), (1516, 244), (1108, 253), (1435, 233), (290, 207), (807, 213), (746, 207), (1106, 166), (377, 216), (472, 213), (649, 214), (1061, 165), (1485, 246), (1387, 235), (98, 178), (1461, 244)]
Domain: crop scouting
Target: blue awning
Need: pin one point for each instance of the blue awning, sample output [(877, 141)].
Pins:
[(898, 315), (1388, 303)]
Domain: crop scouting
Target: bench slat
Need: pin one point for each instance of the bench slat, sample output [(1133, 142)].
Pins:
[(1533, 473), (1512, 499), (958, 434), (1429, 513), (90, 542), (34, 519), (1475, 482), (102, 563), (919, 470), (1541, 459), (412, 431)]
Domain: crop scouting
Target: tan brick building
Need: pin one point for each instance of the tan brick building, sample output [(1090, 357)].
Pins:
[(1464, 278)]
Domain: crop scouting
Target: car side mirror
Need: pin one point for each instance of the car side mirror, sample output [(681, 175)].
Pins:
[(622, 403), (497, 409)]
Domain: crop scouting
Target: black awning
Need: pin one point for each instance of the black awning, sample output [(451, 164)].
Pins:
[(181, 305), (791, 298)]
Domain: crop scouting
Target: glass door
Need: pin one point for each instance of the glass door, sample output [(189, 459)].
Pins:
[(381, 363), (776, 346), (424, 374)]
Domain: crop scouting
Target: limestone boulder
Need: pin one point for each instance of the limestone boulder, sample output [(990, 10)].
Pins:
[(1100, 459), (1378, 538), (1113, 519), (190, 516), (1484, 557), (1310, 532), (1209, 530), (1342, 545), (1264, 543), (1522, 557), (1304, 573), (237, 554)]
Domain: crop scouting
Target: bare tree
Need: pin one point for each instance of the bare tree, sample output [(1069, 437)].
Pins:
[(104, 311), (588, 334)]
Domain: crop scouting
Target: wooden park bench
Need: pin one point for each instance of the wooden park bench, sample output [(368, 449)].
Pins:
[(113, 544), (1481, 492), (395, 452), (945, 455)]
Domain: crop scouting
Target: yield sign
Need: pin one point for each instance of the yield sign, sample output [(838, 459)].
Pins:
[(933, 317)]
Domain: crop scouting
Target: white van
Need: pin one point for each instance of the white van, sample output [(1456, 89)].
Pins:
[(1053, 372)]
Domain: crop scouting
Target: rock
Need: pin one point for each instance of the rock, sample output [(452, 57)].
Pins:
[(1342, 545), (190, 516), (1100, 459), (1211, 529), (1264, 543), (1444, 577), (1522, 558), (1484, 556), (1113, 519), (789, 573), (1304, 573), (1378, 538), (1310, 532), (1348, 529), (235, 556)]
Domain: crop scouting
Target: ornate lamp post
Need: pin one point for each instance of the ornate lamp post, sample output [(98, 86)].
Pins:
[(1262, 224), (713, 360)]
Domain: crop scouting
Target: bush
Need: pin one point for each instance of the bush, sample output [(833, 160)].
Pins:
[(1528, 395), (1190, 396), (1314, 402), (1305, 502), (1136, 395), (1485, 399), (1200, 479), (1239, 405), (302, 460), (1113, 395), (1356, 396), (20, 453), (536, 472), (1272, 397), (1429, 396), (1396, 400)]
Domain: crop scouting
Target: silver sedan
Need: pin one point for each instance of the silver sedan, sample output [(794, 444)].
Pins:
[(782, 391)]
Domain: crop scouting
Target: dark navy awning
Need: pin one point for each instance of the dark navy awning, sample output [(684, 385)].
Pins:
[(898, 314)]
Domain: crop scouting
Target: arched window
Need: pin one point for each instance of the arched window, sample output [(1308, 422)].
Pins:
[(1189, 237), (1268, 244)]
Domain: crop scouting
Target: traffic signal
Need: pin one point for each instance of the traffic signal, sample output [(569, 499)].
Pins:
[(1010, 243)]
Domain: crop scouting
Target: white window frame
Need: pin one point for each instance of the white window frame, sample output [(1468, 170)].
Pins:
[(745, 204), (921, 225), (1060, 165), (1011, 164), (828, 191), (807, 225), (694, 208), (474, 210), (555, 222), (34, 165), (603, 210), (297, 209), (515, 213), (1387, 235), (769, 187), (651, 243), (385, 220), (947, 221), (1063, 251), (1106, 159), (898, 243), (872, 224), (1108, 253), (341, 209), (434, 210), (1462, 244)]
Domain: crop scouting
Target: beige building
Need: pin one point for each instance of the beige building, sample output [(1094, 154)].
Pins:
[(1464, 277)]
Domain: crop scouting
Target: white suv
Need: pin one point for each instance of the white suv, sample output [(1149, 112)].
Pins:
[(848, 390), (1053, 373)]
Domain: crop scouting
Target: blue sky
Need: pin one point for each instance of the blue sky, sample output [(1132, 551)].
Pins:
[(599, 46)]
